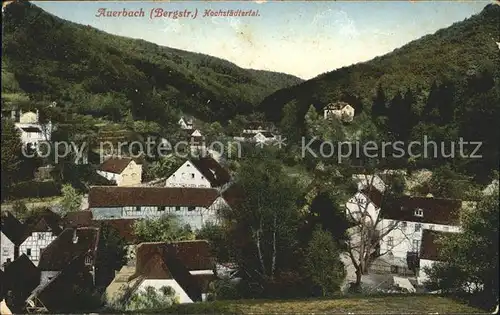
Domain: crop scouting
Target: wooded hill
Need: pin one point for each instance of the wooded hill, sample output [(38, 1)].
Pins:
[(93, 72), (445, 85)]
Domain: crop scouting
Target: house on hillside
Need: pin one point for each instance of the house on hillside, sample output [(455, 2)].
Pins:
[(413, 215), (67, 267), (185, 123), (187, 267), (122, 171), (339, 110), (203, 172), (11, 237), (255, 127), (39, 231), (33, 132), (193, 206), (263, 137)]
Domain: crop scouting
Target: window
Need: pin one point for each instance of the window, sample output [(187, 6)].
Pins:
[(418, 226), (9, 260), (138, 209), (88, 260), (192, 175), (419, 212), (161, 208), (416, 246), (28, 251), (390, 241), (191, 208), (177, 208), (41, 236)]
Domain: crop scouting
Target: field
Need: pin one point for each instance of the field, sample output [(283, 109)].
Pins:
[(418, 304)]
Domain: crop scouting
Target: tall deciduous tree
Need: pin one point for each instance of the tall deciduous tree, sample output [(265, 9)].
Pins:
[(71, 200)]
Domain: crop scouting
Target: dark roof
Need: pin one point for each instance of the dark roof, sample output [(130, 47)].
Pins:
[(109, 196), (63, 250), (194, 255), (374, 195), (435, 210), (175, 260), (77, 219), (12, 228), (212, 170), (267, 134), (430, 248), (43, 221), (31, 129), (21, 276), (115, 165)]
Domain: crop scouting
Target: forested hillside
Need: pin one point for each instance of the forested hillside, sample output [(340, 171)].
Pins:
[(104, 75), (445, 85)]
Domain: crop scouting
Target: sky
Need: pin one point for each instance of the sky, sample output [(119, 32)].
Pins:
[(302, 38)]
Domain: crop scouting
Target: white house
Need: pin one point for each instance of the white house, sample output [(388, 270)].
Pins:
[(31, 130), (204, 172), (193, 206), (340, 110), (11, 234), (411, 216), (186, 267), (364, 204), (122, 171), (185, 123), (39, 236)]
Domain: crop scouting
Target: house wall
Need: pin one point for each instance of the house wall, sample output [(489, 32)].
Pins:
[(187, 176), (36, 242), (131, 175), (408, 239), (158, 283), (7, 250), (196, 217), (358, 205)]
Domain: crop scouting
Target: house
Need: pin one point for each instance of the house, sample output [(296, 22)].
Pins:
[(187, 267), (203, 172), (411, 216), (185, 123), (429, 252), (20, 278), (123, 171), (11, 237), (364, 204), (193, 206), (255, 127), (40, 230), (339, 110), (31, 130), (67, 267)]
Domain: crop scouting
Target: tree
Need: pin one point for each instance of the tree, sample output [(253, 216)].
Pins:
[(166, 228), (470, 259), (151, 298), (446, 183), (111, 253), (11, 155), (71, 199), (263, 226), (379, 102), (216, 235), (323, 264), (367, 229)]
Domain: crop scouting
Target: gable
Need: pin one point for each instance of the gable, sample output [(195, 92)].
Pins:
[(115, 165)]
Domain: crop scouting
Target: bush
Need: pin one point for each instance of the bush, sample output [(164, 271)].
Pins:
[(34, 189)]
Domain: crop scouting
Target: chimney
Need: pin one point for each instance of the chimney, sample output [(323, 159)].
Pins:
[(75, 237)]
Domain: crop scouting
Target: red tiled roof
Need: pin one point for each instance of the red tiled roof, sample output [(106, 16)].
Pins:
[(77, 219), (212, 170), (374, 195), (110, 196), (430, 248), (435, 210), (115, 165), (21, 276)]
